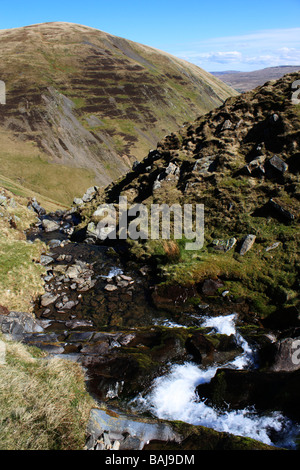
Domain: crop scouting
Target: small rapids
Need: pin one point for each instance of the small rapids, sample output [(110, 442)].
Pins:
[(174, 397)]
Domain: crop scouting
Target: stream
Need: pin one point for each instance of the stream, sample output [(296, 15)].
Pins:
[(173, 397), (104, 302)]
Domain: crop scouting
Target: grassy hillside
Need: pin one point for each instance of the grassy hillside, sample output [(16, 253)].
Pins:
[(44, 404), (20, 273), (92, 102), (241, 162)]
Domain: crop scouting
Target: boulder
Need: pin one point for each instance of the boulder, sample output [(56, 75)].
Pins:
[(78, 201), (283, 355), (17, 324), (45, 260), (90, 194), (278, 164), (205, 165), (48, 299), (238, 389), (247, 244), (111, 424), (281, 209), (226, 125), (224, 245), (50, 225), (36, 207)]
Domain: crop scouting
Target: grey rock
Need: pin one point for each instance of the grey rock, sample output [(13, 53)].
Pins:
[(73, 272), (172, 169), (16, 324), (139, 431), (156, 185), (278, 164), (50, 348), (80, 336), (224, 245), (90, 194), (227, 125), (272, 247), (205, 165), (72, 324), (40, 337), (282, 211), (45, 260), (247, 244), (78, 201), (131, 443), (3, 200), (50, 225), (37, 208), (70, 304), (48, 299), (96, 349), (110, 288), (285, 355)]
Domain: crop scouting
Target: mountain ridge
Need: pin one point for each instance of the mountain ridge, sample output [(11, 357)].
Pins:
[(91, 100), (246, 81)]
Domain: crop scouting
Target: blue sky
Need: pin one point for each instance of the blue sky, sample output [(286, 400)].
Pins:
[(215, 35)]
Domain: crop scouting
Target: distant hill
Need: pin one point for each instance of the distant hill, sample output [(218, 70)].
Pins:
[(83, 105), (246, 81)]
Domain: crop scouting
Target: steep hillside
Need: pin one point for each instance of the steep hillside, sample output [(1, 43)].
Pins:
[(242, 162), (246, 81), (91, 101)]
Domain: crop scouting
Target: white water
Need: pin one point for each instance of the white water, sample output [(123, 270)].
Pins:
[(173, 397), (114, 271)]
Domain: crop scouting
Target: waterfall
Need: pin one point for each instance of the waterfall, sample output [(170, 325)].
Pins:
[(173, 396)]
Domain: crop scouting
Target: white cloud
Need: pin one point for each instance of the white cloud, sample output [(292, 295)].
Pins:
[(245, 52)]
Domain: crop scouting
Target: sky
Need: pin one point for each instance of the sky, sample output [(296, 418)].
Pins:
[(216, 35)]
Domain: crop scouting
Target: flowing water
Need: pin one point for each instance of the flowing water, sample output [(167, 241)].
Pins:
[(173, 397)]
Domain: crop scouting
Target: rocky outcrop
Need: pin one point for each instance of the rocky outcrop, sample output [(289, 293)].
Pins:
[(266, 391), (111, 429)]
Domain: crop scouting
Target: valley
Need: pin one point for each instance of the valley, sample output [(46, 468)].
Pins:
[(116, 343)]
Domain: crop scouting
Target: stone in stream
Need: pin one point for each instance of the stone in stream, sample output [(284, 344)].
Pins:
[(50, 225), (48, 299), (110, 288), (36, 207), (16, 324)]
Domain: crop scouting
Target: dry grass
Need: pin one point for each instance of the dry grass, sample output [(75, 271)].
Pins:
[(20, 275), (44, 404), (172, 251), (26, 170)]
